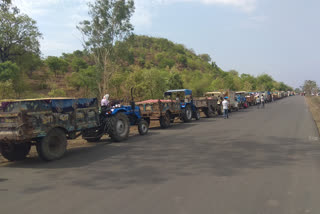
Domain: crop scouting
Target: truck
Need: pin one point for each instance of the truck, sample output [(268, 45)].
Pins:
[(45, 123), (207, 104)]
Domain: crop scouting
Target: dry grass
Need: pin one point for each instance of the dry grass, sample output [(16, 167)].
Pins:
[(314, 105)]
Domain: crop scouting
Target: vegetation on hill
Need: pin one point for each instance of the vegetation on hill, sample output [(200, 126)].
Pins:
[(150, 65)]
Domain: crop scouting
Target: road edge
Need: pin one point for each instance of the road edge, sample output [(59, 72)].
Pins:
[(312, 108)]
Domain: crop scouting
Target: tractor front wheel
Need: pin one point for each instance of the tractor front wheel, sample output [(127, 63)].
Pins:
[(143, 127), (187, 114), (197, 114)]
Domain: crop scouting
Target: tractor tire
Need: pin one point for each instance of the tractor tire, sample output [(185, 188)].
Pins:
[(165, 121), (15, 152), (53, 146), (219, 110), (197, 114), (120, 127), (187, 114), (143, 127), (206, 112)]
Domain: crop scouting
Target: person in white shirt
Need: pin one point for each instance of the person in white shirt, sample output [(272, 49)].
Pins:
[(262, 101), (258, 101), (225, 105)]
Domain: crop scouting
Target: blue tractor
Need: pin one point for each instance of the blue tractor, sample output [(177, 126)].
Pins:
[(188, 109), (115, 121)]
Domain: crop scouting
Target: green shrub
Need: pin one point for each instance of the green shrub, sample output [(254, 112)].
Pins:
[(57, 93)]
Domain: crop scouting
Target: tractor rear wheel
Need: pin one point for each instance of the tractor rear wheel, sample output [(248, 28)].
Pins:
[(206, 112), (15, 152), (120, 127)]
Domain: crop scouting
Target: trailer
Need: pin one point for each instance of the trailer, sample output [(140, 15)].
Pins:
[(233, 103), (165, 111), (220, 97), (208, 105), (45, 123), (250, 99)]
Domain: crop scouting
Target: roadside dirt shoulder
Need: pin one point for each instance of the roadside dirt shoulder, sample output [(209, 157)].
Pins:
[(314, 106)]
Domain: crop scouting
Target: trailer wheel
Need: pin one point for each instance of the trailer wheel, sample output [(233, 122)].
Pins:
[(53, 146), (197, 114), (165, 121), (206, 112), (187, 114), (15, 152), (143, 127), (120, 127)]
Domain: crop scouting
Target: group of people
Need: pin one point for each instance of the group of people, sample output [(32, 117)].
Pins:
[(225, 105)]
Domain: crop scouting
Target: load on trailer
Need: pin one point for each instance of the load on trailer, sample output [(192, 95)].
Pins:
[(45, 123)]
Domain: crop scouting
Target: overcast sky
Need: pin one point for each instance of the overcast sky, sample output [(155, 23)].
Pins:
[(277, 37)]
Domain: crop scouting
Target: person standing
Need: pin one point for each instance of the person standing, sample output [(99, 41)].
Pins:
[(225, 105), (262, 101), (258, 100)]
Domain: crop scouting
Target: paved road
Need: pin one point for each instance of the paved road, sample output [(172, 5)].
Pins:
[(257, 162)]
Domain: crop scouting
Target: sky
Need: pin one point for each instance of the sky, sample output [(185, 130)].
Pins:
[(277, 37)]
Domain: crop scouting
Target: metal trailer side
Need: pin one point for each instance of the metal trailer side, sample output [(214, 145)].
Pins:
[(163, 110), (46, 123), (207, 105)]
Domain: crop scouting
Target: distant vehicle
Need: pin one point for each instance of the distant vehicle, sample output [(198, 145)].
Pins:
[(188, 108), (207, 104)]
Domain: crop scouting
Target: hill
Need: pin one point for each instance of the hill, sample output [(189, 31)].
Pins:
[(150, 65)]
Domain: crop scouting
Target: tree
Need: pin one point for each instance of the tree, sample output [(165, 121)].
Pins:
[(56, 64), (297, 90), (205, 57), (175, 81), (85, 79), (18, 33), (310, 87), (110, 22), (10, 73), (7, 90), (78, 63)]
